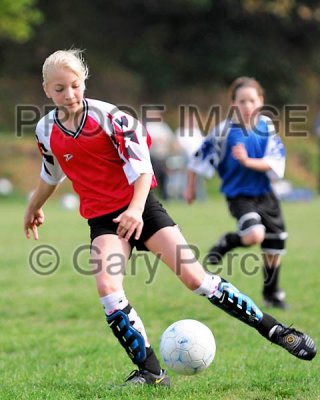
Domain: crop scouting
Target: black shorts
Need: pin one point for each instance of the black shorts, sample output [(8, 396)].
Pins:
[(263, 211), (154, 217)]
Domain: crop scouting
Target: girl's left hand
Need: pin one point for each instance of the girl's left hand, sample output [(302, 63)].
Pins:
[(239, 152), (129, 221)]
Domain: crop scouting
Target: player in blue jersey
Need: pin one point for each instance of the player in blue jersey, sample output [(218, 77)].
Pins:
[(247, 154)]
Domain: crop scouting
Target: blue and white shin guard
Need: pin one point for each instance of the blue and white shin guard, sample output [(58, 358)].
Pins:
[(232, 301), (128, 328), (129, 337), (126, 325)]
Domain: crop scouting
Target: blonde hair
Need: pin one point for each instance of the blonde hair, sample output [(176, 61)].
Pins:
[(71, 59), (244, 81)]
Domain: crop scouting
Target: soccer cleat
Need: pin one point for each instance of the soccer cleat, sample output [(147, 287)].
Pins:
[(296, 343), (143, 377), (276, 300), (217, 251)]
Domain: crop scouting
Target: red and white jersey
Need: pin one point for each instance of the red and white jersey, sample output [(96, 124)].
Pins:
[(103, 158)]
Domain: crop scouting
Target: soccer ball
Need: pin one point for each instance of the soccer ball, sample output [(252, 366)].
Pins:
[(187, 347)]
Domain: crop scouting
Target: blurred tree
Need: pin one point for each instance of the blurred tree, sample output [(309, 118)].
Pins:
[(17, 18), (149, 50)]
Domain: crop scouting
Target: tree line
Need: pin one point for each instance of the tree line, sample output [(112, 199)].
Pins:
[(149, 50)]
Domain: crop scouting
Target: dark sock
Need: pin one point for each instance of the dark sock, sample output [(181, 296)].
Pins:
[(266, 324), (151, 362), (233, 240), (271, 279)]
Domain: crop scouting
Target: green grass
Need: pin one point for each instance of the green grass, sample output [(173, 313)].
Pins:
[(54, 343)]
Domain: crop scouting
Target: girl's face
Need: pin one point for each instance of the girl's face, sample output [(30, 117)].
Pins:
[(247, 102), (66, 90)]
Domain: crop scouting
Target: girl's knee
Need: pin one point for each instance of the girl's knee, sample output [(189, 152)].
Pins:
[(256, 236)]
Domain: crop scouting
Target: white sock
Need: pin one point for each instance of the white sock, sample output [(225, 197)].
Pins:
[(114, 301), (208, 286)]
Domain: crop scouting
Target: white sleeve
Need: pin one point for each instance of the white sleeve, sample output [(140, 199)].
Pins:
[(207, 158), (51, 171), (131, 140), (275, 155)]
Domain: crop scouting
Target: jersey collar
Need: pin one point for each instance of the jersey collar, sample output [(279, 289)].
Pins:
[(76, 133)]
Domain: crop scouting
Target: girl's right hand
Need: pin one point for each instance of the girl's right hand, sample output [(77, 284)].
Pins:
[(129, 222), (189, 194), (32, 220), (190, 190)]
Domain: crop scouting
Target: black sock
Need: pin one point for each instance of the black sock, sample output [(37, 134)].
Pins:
[(233, 240), (271, 279), (266, 324), (151, 362)]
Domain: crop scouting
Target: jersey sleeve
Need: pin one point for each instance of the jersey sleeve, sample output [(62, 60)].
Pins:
[(275, 154), (207, 158), (51, 171), (132, 142)]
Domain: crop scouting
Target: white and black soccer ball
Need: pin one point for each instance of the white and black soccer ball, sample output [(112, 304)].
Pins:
[(187, 347)]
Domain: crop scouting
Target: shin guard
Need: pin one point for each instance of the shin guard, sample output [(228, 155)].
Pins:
[(130, 338), (230, 300)]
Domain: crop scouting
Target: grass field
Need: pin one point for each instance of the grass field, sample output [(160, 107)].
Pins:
[(54, 343)]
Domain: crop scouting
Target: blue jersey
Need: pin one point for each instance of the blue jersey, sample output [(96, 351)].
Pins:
[(215, 154)]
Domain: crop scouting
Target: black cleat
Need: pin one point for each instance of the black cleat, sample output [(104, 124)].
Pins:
[(276, 300), (296, 343), (217, 251), (142, 377)]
